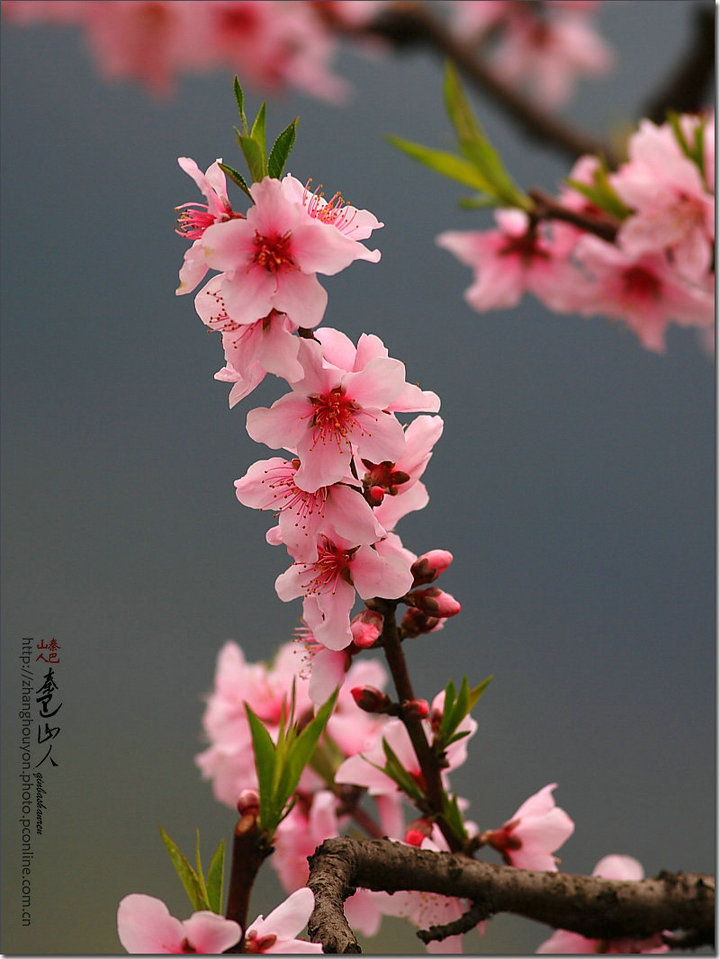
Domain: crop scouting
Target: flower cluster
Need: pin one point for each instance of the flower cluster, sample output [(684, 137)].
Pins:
[(635, 245)]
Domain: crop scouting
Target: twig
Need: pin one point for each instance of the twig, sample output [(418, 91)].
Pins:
[(475, 914), (414, 23), (593, 907)]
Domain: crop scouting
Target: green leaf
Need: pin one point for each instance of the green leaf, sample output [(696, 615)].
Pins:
[(693, 150), (602, 193), (258, 130), (265, 765), (476, 147), (186, 873), (281, 150), (215, 879), (453, 816), (254, 155), (304, 746), (236, 177), (397, 772), (447, 164), (239, 99)]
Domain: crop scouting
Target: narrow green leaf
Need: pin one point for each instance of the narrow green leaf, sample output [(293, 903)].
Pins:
[(236, 177), (447, 164), (199, 867), (265, 765), (281, 150), (602, 194), (215, 876), (453, 816), (448, 704), (187, 875), (477, 202), (397, 772), (459, 110), (255, 157), (258, 130), (239, 99), (454, 738), (476, 693), (303, 747)]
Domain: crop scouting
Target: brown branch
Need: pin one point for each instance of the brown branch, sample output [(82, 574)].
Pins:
[(685, 89), (594, 908), (414, 23), (250, 849), (546, 208), (428, 760)]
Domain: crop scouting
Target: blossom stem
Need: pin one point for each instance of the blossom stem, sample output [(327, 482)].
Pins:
[(429, 765), (250, 850), (546, 208)]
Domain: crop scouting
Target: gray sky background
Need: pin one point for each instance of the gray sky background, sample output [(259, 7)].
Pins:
[(574, 484)]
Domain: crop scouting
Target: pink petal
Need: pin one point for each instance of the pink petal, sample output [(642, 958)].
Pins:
[(146, 926)]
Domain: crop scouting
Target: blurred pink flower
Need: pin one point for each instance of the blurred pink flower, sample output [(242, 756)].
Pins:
[(146, 927), (277, 932)]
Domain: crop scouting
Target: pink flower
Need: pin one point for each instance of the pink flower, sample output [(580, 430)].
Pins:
[(510, 261), (537, 829), (644, 292), (564, 942), (270, 258), (338, 510), (330, 414), (673, 207), (328, 585), (277, 933), (145, 926), (195, 218)]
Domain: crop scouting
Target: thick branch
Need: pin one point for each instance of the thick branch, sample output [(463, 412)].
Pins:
[(684, 91), (595, 908)]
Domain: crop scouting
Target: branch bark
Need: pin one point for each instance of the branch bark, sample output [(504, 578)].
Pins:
[(595, 908)]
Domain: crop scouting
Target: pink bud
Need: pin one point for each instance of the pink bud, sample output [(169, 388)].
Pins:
[(435, 602), (370, 699), (366, 628), (416, 708), (414, 837), (418, 830), (430, 565), (375, 495)]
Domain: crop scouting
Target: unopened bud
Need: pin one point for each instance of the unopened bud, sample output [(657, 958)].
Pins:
[(366, 628), (375, 495), (418, 830), (415, 622), (430, 565), (248, 802), (370, 699), (435, 602), (416, 709)]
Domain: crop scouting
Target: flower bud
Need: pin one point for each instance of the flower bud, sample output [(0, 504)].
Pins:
[(370, 699), (366, 628), (248, 802), (415, 621), (416, 709), (435, 602), (418, 830), (375, 495), (430, 565)]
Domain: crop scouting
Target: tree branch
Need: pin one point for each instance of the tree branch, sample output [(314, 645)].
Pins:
[(594, 908), (414, 23)]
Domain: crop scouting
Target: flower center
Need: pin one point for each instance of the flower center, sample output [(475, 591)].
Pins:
[(333, 416), (273, 252), (640, 284), (281, 480), (332, 564), (334, 211)]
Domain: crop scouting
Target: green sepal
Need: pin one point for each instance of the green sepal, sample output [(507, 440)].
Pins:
[(254, 155), (214, 880), (447, 164), (237, 178), (602, 193), (281, 150), (258, 131), (187, 875), (240, 100)]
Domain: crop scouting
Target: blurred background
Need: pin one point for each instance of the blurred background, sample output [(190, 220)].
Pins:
[(574, 483)]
